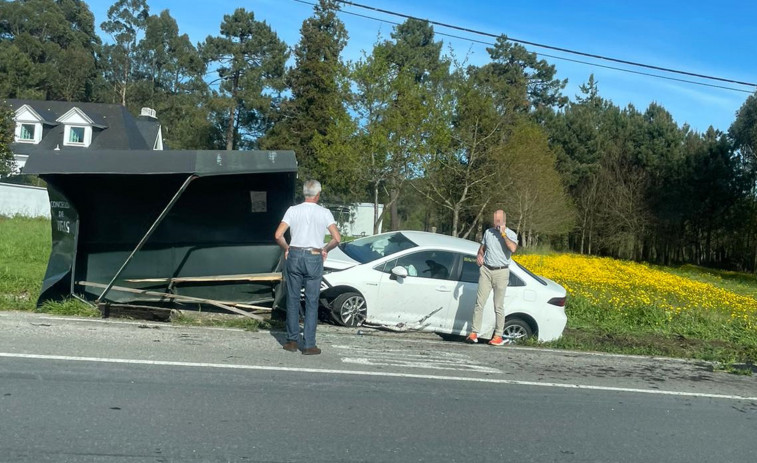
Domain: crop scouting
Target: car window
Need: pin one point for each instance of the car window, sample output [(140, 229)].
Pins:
[(387, 266), (470, 272), (515, 281), (424, 264), (533, 275), (371, 248)]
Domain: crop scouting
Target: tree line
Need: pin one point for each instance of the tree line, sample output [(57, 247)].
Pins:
[(438, 141)]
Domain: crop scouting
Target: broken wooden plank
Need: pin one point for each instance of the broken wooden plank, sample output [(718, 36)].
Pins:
[(256, 308), (175, 297), (158, 296), (274, 276)]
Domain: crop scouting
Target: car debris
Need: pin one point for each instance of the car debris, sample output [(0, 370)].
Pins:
[(403, 327)]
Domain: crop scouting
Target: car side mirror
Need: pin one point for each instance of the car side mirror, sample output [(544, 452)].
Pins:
[(399, 271)]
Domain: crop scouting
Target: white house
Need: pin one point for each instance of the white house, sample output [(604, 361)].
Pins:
[(71, 126)]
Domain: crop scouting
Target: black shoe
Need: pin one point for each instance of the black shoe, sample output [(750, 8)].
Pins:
[(311, 351), (291, 346)]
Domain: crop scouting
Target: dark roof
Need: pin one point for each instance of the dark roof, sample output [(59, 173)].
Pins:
[(114, 127), (148, 128), (146, 162)]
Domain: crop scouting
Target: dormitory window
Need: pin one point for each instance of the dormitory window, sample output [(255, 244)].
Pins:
[(76, 135), (27, 132)]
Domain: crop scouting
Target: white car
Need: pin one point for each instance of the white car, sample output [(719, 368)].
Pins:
[(411, 280)]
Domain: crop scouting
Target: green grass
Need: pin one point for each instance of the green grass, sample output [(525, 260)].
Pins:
[(744, 284), (709, 336), (24, 250), (70, 307)]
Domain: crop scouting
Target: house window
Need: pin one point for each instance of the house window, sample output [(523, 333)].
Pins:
[(27, 132), (76, 135)]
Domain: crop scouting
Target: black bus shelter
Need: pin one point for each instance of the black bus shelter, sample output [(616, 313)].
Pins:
[(160, 226)]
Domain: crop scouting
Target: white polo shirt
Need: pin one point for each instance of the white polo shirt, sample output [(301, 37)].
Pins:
[(308, 224)]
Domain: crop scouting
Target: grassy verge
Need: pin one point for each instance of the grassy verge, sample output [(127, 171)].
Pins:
[(69, 307), (632, 308), (704, 336), (614, 306), (24, 250)]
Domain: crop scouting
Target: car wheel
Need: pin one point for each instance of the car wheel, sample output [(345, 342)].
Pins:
[(517, 329), (349, 309)]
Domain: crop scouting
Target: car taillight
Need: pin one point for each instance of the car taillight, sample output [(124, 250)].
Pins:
[(558, 301)]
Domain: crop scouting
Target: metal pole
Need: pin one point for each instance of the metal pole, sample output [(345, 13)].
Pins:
[(147, 235)]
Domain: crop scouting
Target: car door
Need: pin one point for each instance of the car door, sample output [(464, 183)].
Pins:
[(464, 298), (421, 299)]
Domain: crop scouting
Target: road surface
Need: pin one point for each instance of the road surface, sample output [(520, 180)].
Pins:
[(112, 391)]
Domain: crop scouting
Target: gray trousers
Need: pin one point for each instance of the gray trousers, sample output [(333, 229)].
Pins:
[(488, 280)]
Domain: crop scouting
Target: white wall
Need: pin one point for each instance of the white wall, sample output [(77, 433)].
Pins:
[(360, 220), (29, 201)]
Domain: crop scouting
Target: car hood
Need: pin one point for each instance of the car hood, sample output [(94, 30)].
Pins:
[(338, 260)]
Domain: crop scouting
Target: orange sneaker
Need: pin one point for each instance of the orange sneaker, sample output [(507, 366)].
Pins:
[(472, 338), (498, 341)]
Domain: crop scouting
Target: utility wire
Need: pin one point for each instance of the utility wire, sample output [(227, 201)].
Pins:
[(549, 47), (614, 68), (631, 71)]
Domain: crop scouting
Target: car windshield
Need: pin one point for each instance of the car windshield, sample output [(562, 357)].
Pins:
[(371, 248)]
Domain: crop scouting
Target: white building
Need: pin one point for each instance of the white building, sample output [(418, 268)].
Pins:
[(70, 126), (356, 219)]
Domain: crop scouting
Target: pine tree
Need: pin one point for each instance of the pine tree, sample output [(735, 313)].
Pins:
[(250, 60), (47, 50), (126, 23), (317, 83), (7, 126)]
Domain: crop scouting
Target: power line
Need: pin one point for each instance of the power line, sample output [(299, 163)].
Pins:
[(373, 18), (541, 45), (648, 74)]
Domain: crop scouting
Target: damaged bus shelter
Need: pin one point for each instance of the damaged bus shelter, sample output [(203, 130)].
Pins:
[(166, 228)]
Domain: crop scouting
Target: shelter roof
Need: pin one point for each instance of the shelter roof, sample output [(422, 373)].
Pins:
[(150, 162)]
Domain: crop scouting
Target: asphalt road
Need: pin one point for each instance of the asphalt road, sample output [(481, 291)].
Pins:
[(109, 391)]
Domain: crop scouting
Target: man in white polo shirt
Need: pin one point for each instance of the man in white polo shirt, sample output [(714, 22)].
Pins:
[(494, 257), (304, 256)]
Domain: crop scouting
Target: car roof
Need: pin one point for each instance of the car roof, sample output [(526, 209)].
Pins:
[(438, 240)]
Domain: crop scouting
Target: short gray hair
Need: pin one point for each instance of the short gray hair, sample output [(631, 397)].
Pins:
[(311, 188)]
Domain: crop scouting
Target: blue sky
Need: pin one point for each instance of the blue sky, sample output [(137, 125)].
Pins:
[(704, 37)]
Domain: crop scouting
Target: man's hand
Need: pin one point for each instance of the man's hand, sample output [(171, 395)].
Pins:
[(502, 228), (480, 260), (324, 254), (286, 254)]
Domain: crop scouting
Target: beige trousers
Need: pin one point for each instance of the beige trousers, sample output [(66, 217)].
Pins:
[(488, 280)]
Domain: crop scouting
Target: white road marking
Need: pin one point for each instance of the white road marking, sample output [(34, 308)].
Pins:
[(409, 364), (403, 359), (376, 373)]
